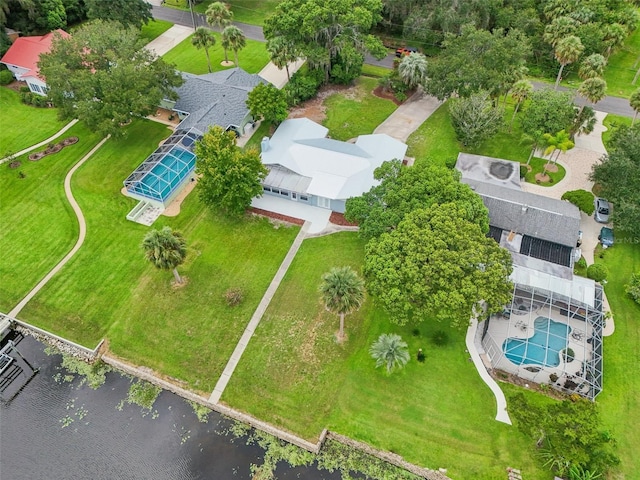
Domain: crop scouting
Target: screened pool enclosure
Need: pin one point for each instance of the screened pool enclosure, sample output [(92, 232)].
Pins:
[(159, 177), (550, 333)]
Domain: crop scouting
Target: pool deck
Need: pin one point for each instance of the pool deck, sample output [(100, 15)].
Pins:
[(501, 401)]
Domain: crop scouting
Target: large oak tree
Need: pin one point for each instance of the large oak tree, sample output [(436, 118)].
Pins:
[(103, 76), (438, 265), (404, 189), (329, 33)]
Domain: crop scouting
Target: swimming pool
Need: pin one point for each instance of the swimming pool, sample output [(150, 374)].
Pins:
[(167, 174), (543, 348)]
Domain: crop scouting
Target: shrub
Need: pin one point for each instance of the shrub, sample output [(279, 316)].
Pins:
[(568, 355), (598, 272), (581, 199), (633, 288), (6, 77), (553, 378), (24, 89), (582, 263), (301, 87), (233, 296), (440, 338)]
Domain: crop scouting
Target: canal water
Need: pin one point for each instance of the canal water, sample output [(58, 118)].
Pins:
[(54, 429)]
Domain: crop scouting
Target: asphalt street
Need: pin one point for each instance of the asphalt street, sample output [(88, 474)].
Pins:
[(615, 105)]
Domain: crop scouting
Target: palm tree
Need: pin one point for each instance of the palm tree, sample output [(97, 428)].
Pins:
[(634, 101), (233, 39), (592, 66), (390, 350), (282, 52), (561, 142), (567, 51), (593, 89), (520, 92), (203, 38), (342, 293), (166, 249), (413, 69), (219, 15), (558, 29), (614, 36)]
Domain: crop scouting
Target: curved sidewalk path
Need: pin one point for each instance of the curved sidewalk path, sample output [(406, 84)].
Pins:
[(501, 401), (81, 236), (42, 143)]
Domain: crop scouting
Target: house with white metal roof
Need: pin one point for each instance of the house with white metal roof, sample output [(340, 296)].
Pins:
[(306, 166)]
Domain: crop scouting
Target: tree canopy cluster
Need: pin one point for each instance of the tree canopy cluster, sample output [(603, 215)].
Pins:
[(600, 26), (102, 76), (569, 435), (428, 256), (229, 176), (618, 175), (333, 35), (40, 16)]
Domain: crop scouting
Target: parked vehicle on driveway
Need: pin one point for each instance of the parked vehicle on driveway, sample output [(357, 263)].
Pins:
[(606, 237), (404, 51), (602, 210)]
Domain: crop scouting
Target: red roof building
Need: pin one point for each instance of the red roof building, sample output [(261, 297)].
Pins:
[(23, 56)]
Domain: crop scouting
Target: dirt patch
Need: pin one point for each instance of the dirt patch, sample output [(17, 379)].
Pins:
[(314, 109), (542, 178), (338, 219), (551, 167), (386, 94), (276, 216)]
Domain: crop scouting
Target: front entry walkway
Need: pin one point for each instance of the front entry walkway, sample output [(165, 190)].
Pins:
[(408, 117), (169, 39)]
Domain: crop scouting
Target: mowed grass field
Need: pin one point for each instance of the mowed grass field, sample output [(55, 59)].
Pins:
[(24, 125), (38, 225), (188, 58), (438, 413), (108, 290)]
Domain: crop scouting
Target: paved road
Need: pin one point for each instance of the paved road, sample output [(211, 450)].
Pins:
[(254, 32), (615, 105)]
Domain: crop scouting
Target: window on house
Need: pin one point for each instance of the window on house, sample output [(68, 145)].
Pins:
[(304, 198), (275, 190), (266, 189), (34, 88), (284, 193)]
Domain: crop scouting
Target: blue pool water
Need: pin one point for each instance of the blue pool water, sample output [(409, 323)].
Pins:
[(544, 348), (161, 181)]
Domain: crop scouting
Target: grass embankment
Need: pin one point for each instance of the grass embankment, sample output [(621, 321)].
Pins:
[(438, 413), (38, 225), (109, 290), (620, 397), (612, 122), (154, 29), (188, 58), (360, 114), (24, 125), (622, 67)]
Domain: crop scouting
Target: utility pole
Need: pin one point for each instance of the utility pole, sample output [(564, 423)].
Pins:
[(193, 17)]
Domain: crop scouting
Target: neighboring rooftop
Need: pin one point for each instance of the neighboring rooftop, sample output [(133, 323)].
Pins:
[(25, 52), (495, 171), (335, 169), (215, 98), (525, 213)]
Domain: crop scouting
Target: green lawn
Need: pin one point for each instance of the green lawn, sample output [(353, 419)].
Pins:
[(375, 71), (537, 166), (38, 225), (437, 414), (622, 67), (188, 58), (612, 122), (435, 141), (358, 114), (620, 398), (24, 125), (262, 131), (154, 29), (109, 290), (245, 11)]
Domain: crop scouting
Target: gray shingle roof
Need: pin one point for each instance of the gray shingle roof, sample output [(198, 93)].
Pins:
[(529, 214), (215, 98)]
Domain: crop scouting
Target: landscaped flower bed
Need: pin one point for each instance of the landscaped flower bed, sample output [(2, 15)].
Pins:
[(53, 148)]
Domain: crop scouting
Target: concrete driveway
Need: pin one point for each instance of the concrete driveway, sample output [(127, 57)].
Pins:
[(409, 116)]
